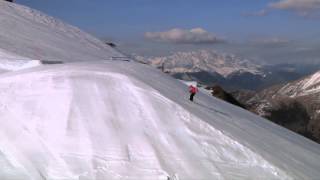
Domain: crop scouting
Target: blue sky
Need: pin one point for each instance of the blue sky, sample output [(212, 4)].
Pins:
[(240, 23)]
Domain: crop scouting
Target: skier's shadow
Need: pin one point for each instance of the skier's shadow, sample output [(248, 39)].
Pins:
[(212, 109)]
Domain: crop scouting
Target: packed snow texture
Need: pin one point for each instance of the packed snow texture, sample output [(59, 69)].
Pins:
[(123, 120), (32, 34), (13, 62), (4, 54)]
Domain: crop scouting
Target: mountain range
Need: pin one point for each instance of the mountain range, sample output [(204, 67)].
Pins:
[(203, 60), (210, 67)]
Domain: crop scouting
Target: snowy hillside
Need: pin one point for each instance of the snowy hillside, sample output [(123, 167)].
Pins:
[(203, 60), (128, 126), (117, 120), (12, 62), (32, 34)]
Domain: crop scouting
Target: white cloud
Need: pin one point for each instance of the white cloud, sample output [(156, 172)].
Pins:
[(302, 7), (182, 36)]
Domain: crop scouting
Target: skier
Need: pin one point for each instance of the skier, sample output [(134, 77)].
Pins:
[(192, 90)]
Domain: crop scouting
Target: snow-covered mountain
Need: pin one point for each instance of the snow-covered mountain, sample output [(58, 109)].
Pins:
[(304, 92), (203, 60), (303, 87), (120, 120)]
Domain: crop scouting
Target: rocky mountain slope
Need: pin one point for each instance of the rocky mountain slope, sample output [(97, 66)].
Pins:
[(220, 93), (298, 97)]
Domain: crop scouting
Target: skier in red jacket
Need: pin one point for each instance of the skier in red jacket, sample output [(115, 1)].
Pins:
[(192, 90)]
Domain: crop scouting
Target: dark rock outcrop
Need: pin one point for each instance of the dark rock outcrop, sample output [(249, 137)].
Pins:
[(220, 93)]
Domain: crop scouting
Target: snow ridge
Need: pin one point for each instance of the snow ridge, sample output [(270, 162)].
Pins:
[(13, 62)]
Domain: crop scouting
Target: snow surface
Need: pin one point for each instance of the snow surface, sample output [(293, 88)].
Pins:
[(13, 62), (30, 33), (123, 120)]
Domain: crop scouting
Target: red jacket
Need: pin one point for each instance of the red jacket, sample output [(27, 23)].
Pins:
[(193, 89)]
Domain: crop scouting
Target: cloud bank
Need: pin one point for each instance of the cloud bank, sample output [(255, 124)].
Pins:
[(182, 36), (303, 8), (306, 8)]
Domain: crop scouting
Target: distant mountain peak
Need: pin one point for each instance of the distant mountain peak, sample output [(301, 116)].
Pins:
[(203, 60), (305, 86)]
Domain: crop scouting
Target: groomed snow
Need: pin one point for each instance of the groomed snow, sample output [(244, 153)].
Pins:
[(122, 120)]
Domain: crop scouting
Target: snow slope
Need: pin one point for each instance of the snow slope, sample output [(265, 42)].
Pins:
[(32, 34), (123, 120), (13, 62)]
